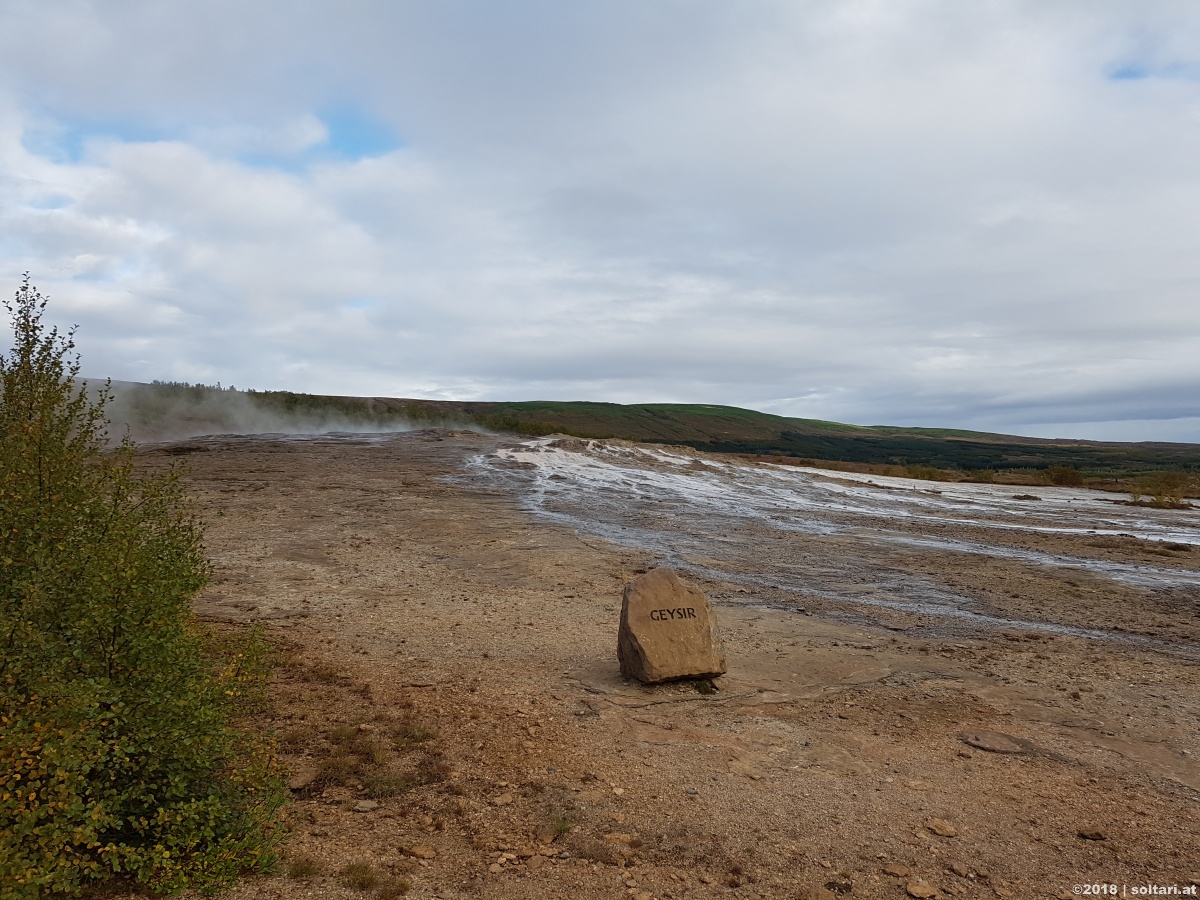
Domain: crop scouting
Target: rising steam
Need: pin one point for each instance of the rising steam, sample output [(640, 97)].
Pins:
[(174, 411)]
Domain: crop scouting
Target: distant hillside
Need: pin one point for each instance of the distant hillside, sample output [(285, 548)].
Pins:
[(170, 411)]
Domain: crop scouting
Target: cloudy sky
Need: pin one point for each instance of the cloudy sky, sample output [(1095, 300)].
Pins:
[(922, 212)]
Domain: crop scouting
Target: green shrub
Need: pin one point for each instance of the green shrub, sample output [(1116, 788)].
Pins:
[(1064, 476), (1167, 488), (117, 752), (926, 473)]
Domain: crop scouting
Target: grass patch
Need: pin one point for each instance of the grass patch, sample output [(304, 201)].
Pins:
[(295, 738), (303, 867), (593, 849), (432, 767), (363, 745), (338, 769), (393, 888), (360, 875), (380, 786), (410, 733), (324, 674)]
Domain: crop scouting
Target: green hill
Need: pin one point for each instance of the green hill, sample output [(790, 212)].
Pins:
[(166, 411)]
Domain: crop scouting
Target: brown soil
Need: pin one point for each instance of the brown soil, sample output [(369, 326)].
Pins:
[(453, 658)]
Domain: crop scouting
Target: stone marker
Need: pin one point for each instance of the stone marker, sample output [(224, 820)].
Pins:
[(668, 631)]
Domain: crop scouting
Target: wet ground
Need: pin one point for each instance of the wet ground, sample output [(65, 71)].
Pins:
[(947, 559)]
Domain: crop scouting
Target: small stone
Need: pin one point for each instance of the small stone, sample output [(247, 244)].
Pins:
[(301, 779), (959, 869), (897, 870), (1003, 892), (707, 879), (667, 631), (535, 862), (618, 791), (547, 834), (422, 852), (503, 799), (617, 837), (366, 806), (941, 827), (495, 868), (642, 895), (1093, 834), (921, 889)]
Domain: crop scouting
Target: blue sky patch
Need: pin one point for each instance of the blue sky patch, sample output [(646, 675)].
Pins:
[(353, 135), (49, 201), (1130, 72), (350, 135), (1179, 71), (66, 140)]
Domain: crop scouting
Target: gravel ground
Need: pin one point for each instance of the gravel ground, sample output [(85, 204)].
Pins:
[(927, 696)]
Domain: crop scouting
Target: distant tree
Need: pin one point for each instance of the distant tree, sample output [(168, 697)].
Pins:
[(117, 756)]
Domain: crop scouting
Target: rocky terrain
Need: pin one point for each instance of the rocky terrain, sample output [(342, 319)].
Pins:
[(928, 694)]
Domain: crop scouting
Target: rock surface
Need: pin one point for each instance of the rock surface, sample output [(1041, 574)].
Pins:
[(996, 742), (941, 827), (921, 889), (668, 631)]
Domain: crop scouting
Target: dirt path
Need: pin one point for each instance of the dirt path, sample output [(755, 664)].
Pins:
[(454, 659)]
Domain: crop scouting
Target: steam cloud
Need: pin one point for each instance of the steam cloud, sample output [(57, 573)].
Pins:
[(171, 412)]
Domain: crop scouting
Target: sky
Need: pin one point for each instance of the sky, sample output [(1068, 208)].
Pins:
[(911, 212)]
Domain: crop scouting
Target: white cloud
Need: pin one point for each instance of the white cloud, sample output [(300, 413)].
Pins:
[(921, 212)]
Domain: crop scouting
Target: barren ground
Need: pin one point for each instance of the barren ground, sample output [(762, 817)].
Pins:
[(451, 655)]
